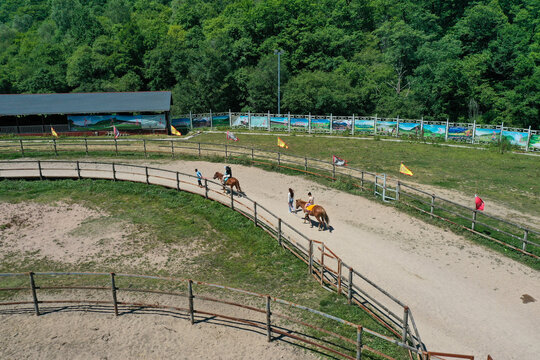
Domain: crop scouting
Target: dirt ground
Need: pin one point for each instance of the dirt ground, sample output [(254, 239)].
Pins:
[(465, 298)]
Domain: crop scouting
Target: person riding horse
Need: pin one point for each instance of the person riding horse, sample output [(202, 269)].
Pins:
[(228, 174)]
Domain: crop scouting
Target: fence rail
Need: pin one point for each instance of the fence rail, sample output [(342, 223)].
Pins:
[(522, 239), (322, 262), (190, 307)]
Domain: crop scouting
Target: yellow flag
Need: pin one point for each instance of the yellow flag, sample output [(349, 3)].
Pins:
[(282, 143), (53, 132), (175, 132), (405, 170)]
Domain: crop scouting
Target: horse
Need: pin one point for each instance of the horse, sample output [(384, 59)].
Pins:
[(232, 182), (317, 211)]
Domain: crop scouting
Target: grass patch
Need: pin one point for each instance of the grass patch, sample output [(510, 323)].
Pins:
[(230, 249)]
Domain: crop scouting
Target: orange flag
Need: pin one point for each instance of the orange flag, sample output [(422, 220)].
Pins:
[(282, 143), (405, 170), (175, 132), (54, 133)]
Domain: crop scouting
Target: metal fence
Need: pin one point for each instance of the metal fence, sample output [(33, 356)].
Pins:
[(518, 237), (322, 262)]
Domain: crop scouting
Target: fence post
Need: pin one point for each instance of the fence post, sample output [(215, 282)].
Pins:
[(359, 331), (78, 170), (252, 156), (398, 189), (432, 204), (334, 171), (34, 295), (349, 293), (249, 120), (86, 145), (268, 119), (422, 126), (41, 173), (190, 121), (525, 234), (501, 134), (146, 172), (226, 155), (305, 163), (279, 231), (113, 289), (177, 181), (405, 323), (199, 149), (190, 299), (310, 257), (144, 144), (54, 145), (375, 186), (340, 265), (114, 172), (352, 125), (473, 219), (331, 123), (172, 149), (255, 213), (384, 188), (289, 121), (473, 131), (309, 123), (268, 320), (446, 131), (230, 118), (206, 188), (362, 181), (528, 139), (322, 264), (397, 126), (211, 120), (232, 199), (375, 126), (116, 146), (278, 158)]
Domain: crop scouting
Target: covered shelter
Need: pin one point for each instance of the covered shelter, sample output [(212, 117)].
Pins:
[(76, 112)]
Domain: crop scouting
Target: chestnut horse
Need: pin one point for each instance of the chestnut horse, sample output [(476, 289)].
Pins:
[(230, 182), (317, 211)]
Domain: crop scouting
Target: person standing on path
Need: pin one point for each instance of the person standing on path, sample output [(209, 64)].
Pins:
[(199, 177), (291, 200)]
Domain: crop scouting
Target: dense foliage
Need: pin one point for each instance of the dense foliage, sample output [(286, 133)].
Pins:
[(454, 58)]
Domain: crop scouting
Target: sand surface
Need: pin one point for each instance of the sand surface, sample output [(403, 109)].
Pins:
[(465, 298)]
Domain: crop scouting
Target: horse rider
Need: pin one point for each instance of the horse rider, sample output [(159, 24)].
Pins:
[(228, 174), (310, 201)]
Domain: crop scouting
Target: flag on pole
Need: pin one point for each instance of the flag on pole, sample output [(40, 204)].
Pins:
[(282, 143), (54, 133), (175, 132), (231, 136), (405, 170), (338, 161), (479, 203), (116, 132)]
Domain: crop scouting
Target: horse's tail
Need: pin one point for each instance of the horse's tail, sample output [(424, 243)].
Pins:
[(238, 186), (326, 218)]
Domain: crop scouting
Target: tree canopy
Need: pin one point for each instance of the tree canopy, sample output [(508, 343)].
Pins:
[(407, 58)]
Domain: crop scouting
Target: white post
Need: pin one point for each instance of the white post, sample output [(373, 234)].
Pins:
[(352, 127), (289, 120), (528, 140), (446, 133), (397, 126), (190, 120), (331, 123), (309, 123), (500, 135), (230, 118), (473, 130), (422, 126), (249, 120), (211, 122), (375, 125), (268, 119)]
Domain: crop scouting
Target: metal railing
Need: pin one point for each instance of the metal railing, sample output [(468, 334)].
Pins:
[(322, 262)]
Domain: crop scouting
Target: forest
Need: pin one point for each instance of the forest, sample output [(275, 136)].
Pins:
[(456, 59)]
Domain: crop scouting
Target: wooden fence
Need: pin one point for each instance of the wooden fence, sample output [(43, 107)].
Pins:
[(322, 263), (194, 303), (523, 239)]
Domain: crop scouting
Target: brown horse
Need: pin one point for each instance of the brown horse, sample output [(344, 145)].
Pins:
[(317, 211), (232, 182)]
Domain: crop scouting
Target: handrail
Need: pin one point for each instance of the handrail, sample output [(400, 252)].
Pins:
[(119, 170)]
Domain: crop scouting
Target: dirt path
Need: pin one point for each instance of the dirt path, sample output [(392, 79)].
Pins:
[(465, 298)]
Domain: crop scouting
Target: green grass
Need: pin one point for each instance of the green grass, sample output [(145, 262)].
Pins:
[(232, 251), (509, 179)]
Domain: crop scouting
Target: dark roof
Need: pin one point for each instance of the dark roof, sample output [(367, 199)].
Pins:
[(85, 103)]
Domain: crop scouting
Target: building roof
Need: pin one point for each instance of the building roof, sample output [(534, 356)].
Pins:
[(85, 103)]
